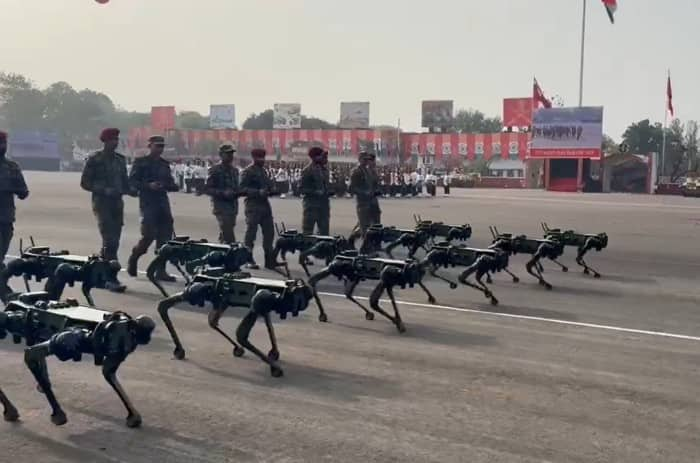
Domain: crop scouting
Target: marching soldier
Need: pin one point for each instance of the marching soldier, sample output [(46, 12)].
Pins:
[(11, 183), (151, 178), (315, 187), (257, 187), (364, 184), (104, 175), (222, 186)]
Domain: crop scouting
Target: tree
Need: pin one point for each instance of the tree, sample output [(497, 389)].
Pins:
[(609, 146), (191, 120), (264, 120), (691, 143), (643, 137), (259, 121), (474, 121)]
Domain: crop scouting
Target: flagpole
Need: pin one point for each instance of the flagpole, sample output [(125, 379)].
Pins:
[(583, 47), (663, 137)]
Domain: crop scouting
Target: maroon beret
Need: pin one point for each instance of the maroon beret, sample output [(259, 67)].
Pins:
[(315, 151), (3, 135), (108, 134), (258, 153)]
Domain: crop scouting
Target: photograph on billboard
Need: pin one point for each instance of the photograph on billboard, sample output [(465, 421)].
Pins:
[(437, 113), (287, 116), (222, 116), (567, 132), (354, 115), (517, 112)]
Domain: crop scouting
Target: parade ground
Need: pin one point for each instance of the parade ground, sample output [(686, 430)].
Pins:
[(596, 370)]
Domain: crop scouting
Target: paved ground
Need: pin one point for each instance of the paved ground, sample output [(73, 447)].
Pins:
[(593, 371)]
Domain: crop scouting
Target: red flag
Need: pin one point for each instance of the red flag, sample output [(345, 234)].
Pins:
[(610, 7), (669, 96), (538, 97)]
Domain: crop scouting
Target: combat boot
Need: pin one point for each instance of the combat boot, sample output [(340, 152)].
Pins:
[(115, 286), (131, 266), (252, 265)]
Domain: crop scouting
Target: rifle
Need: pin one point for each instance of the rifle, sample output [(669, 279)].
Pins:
[(69, 330), (261, 295)]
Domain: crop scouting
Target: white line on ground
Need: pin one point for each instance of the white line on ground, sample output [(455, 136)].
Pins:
[(618, 329)]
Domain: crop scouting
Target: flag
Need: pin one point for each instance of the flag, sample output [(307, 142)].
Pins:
[(669, 96), (538, 97), (610, 7)]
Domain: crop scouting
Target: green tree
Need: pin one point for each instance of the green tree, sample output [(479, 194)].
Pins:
[(609, 146), (315, 123), (191, 120), (691, 143), (474, 121), (643, 137)]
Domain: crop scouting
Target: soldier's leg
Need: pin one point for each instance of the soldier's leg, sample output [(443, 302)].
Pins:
[(6, 231), (252, 219), (268, 233), (364, 218), (163, 233), (227, 222), (148, 235), (111, 233), (323, 220), (308, 220)]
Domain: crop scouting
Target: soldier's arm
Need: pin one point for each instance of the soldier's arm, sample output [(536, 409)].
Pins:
[(212, 183), (136, 177), (125, 181), (169, 182), (248, 186), (306, 185), (21, 189), (358, 185), (87, 180)]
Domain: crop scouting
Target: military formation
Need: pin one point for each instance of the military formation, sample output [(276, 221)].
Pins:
[(213, 272)]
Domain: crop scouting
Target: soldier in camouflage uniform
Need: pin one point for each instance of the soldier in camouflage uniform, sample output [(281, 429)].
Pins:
[(104, 175), (257, 187), (222, 186), (11, 183), (364, 184), (315, 187), (152, 178)]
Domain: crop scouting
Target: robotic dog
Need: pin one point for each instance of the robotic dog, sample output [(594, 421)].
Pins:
[(583, 242), (318, 246)]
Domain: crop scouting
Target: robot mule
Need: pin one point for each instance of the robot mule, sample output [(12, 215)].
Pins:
[(261, 295), (58, 269), (69, 330), (353, 268)]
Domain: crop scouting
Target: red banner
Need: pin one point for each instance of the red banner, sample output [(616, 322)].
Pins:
[(517, 112), (162, 118)]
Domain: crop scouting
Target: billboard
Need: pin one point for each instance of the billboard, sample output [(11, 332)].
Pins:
[(437, 113), (34, 144), (354, 115), (162, 118), (222, 116), (567, 133), (287, 116), (517, 112)]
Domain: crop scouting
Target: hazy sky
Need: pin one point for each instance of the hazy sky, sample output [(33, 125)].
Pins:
[(191, 53)]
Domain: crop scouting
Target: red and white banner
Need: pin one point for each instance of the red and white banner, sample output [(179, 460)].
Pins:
[(517, 112)]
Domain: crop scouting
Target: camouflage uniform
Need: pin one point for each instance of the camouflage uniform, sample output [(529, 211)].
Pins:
[(223, 177), (364, 184), (105, 177), (256, 186), (11, 183), (315, 186), (156, 217)]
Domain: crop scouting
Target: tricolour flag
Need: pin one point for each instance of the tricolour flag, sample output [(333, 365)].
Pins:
[(610, 7), (538, 98)]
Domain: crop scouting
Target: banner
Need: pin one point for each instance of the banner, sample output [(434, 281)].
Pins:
[(34, 144), (162, 118), (517, 112), (222, 116), (567, 133), (287, 116), (437, 113), (354, 115)]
